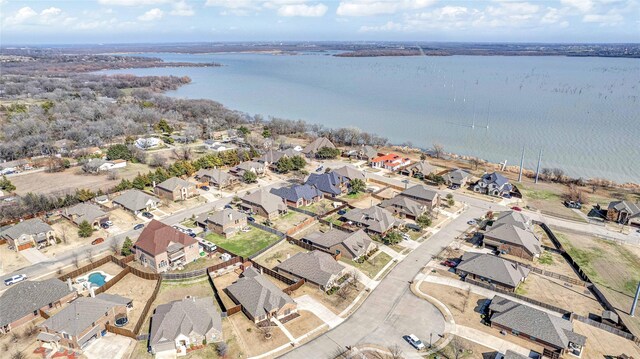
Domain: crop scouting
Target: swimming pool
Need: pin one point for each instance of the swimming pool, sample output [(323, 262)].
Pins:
[(97, 279)]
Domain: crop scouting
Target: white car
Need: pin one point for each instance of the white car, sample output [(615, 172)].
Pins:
[(15, 279), (414, 341)]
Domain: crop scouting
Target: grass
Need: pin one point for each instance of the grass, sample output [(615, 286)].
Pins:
[(200, 263), (546, 258), (584, 258), (372, 266), (244, 243), (189, 223), (544, 195), (355, 195)]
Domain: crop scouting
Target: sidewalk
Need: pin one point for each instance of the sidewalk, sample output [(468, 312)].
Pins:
[(489, 341), (307, 303)]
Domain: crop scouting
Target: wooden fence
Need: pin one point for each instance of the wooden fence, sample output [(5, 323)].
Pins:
[(233, 310), (147, 307), (186, 275), (273, 273), (300, 243), (293, 287), (307, 222), (121, 331), (303, 211), (608, 328), (111, 282), (550, 274), (85, 269)]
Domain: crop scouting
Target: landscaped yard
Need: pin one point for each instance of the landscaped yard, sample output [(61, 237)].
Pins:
[(189, 223), (372, 266), (244, 243)]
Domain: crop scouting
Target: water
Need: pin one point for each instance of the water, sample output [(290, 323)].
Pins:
[(583, 113), (97, 279)]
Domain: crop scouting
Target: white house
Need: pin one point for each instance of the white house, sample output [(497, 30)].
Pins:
[(216, 146), (147, 143), (110, 165)]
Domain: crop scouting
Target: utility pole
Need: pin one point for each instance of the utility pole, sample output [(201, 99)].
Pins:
[(635, 301), (538, 168), (521, 164)]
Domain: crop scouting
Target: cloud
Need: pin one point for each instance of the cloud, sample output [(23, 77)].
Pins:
[(181, 8), (610, 18), (151, 15), (132, 2), (303, 10), (581, 5), (22, 15), (233, 4), (379, 7)]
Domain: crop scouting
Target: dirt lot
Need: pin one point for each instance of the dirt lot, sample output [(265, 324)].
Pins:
[(549, 261), (10, 260), (250, 338), (22, 339), (278, 254), (303, 324), (221, 283), (332, 302), (601, 343), (362, 201), (468, 349), (560, 294), (289, 220), (135, 288)]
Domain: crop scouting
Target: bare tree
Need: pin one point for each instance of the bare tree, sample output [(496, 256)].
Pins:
[(355, 276), (182, 153), (438, 150), (465, 301), (265, 330), (395, 352), (457, 347), (63, 235), (18, 355), (476, 162), (114, 246), (89, 253), (157, 160), (343, 292), (75, 259), (112, 175)]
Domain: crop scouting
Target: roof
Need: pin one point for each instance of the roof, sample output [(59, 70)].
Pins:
[(493, 268), (374, 218), (316, 266), (224, 217), (317, 144), (174, 183), (513, 234), (457, 176), (297, 192), (273, 156), (81, 313), (423, 167), (515, 218), (364, 151), (632, 208), (84, 212), (186, 316), (420, 192), (350, 173), (215, 176), (407, 205), (257, 294), (495, 177), (391, 157), (265, 199), (356, 242), (510, 354), (248, 166), (23, 298), (29, 227), (134, 200), (157, 236), (326, 182), (534, 322)]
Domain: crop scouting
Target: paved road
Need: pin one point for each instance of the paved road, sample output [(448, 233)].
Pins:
[(392, 310)]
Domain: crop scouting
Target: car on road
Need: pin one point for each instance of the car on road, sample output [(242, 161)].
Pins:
[(517, 209), (204, 188), (97, 241), (251, 219), (15, 279), (138, 226), (147, 215), (414, 341), (472, 222), (573, 204)]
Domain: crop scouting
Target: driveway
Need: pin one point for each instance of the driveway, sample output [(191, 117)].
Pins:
[(34, 256), (307, 303), (110, 346)]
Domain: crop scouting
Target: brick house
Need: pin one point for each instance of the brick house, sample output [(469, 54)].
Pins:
[(163, 247), (624, 212), (227, 222), (511, 234), (86, 212), (424, 195), (504, 274), (315, 267), (298, 195), (29, 233), (264, 203), (352, 245), (176, 189)]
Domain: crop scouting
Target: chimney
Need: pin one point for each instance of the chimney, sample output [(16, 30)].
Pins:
[(92, 292), (69, 284), (230, 215)]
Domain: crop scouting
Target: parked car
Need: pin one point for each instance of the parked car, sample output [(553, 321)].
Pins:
[(191, 234), (251, 219), (15, 279), (414, 341), (245, 229), (204, 188), (517, 209), (147, 215), (472, 222), (449, 263), (228, 206), (97, 241), (104, 225), (573, 204), (138, 226), (342, 212), (413, 227), (108, 223)]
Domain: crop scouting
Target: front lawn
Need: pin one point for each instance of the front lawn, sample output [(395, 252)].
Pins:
[(372, 266), (244, 243), (189, 223)]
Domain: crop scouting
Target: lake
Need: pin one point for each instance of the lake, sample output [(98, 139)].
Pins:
[(583, 113)]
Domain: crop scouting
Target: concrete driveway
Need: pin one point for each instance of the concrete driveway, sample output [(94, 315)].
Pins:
[(34, 256), (307, 303), (110, 346)]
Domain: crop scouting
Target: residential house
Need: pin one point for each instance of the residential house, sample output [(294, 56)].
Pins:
[(493, 184), (256, 167), (136, 201), (83, 321), (264, 203), (315, 267), (423, 195), (176, 189), (260, 298), (551, 331), (364, 153), (177, 325), (97, 165), (298, 195), (511, 234), (515, 218), (163, 247), (216, 178), (374, 219), (216, 146), (420, 169), (147, 143), (492, 269), (29, 233), (510, 354), (312, 149), (404, 207), (352, 245), (86, 212), (350, 173), (457, 178), (271, 157), (227, 222), (624, 212), (331, 184), (22, 302), (391, 162)]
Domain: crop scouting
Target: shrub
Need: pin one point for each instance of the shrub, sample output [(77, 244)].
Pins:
[(85, 229)]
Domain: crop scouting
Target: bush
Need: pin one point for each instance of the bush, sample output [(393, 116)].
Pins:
[(85, 229), (126, 247), (119, 152), (327, 153)]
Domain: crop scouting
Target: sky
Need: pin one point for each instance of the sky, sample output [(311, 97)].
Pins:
[(137, 21)]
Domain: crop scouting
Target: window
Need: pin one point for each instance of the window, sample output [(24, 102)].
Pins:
[(106, 314), (515, 332), (35, 312)]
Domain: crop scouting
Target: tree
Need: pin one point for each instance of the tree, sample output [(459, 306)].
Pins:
[(450, 201), (298, 163), (126, 247), (438, 150), (119, 152), (163, 126), (284, 165), (84, 194), (393, 237), (475, 162), (357, 186), (424, 221), (114, 246), (266, 133), (6, 185), (249, 177), (222, 349), (85, 229), (327, 153), (243, 130)]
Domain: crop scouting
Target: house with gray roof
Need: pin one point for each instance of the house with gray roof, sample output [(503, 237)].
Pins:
[(457, 178), (352, 245), (29, 233), (404, 207), (136, 201), (22, 302), (494, 184), (252, 166), (227, 222), (271, 157), (510, 354), (176, 189), (177, 325), (312, 149), (260, 298), (373, 219), (624, 212), (83, 320), (492, 269), (551, 331), (264, 203), (298, 195), (515, 218), (420, 169), (89, 212), (350, 173), (315, 267), (509, 237), (216, 178), (364, 152), (331, 183), (422, 194)]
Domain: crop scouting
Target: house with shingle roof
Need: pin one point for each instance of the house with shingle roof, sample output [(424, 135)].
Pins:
[(492, 269), (227, 222), (424, 195), (22, 302), (331, 184), (85, 212), (511, 234), (82, 321), (271, 157), (177, 325), (553, 332), (457, 178), (364, 152), (136, 201), (312, 149), (373, 219), (298, 195), (624, 212), (515, 218), (29, 233), (420, 169), (404, 207), (315, 267), (493, 184), (163, 247), (264, 203), (216, 178), (252, 166), (350, 173), (352, 245), (260, 298), (176, 189)]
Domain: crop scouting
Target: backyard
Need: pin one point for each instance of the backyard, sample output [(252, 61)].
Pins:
[(289, 220), (371, 266), (278, 254), (320, 207), (137, 289), (244, 243)]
